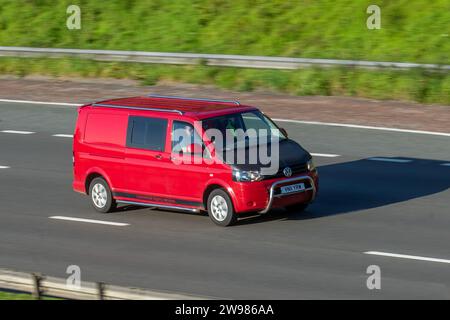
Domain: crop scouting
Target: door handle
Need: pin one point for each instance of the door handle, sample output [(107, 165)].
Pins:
[(158, 156)]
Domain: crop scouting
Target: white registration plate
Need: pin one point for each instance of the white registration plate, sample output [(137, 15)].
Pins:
[(293, 188)]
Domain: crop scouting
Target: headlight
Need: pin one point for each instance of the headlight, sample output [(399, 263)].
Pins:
[(246, 176), (310, 165)]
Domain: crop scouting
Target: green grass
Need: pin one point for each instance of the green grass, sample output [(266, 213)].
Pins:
[(15, 296), (19, 296), (412, 85), (412, 31)]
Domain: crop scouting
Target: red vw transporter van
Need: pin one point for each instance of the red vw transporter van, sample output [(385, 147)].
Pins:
[(188, 154)]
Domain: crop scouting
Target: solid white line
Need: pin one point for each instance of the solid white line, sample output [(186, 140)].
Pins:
[(42, 102), (325, 155), (17, 132), (390, 160), (118, 224), (63, 135), (4, 167), (347, 125), (405, 256)]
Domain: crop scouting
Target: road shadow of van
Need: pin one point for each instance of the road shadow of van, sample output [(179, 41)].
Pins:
[(365, 184)]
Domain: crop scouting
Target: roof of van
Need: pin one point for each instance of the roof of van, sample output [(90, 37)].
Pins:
[(195, 108)]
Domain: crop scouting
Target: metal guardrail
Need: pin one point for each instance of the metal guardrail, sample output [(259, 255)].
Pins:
[(40, 286), (208, 59)]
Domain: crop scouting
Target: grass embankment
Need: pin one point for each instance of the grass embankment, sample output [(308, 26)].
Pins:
[(411, 31), (415, 85), (15, 296)]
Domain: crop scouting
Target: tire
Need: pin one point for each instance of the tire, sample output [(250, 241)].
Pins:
[(101, 196), (297, 208), (220, 208)]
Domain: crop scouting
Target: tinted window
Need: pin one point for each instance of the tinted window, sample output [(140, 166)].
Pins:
[(146, 133), (253, 124), (253, 121), (182, 136)]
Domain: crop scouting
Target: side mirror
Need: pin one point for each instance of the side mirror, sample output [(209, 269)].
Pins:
[(195, 149), (284, 132)]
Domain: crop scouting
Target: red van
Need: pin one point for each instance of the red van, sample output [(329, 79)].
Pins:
[(167, 152)]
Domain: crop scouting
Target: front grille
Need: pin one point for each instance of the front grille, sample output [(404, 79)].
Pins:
[(296, 169)]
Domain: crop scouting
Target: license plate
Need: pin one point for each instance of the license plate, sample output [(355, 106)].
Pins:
[(293, 188)]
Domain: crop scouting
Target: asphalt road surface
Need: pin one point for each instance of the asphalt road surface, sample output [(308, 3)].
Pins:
[(380, 191)]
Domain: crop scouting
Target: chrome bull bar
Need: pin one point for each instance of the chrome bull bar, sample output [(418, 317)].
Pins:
[(277, 183)]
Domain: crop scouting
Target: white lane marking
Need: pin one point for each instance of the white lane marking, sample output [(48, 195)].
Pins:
[(17, 132), (348, 125), (63, 135), (390, 160), (4, 167), (325, 155), (42, 102), (405, 256), (445, 164), (117, 224)]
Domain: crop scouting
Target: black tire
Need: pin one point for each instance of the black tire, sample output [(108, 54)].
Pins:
[(101, 206), (297, 208), (229, 217)]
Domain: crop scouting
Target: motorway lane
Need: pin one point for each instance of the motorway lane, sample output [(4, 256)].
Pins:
[(363, 205), (321, 139)]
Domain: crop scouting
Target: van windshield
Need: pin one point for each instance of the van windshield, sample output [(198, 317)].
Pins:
[(241, 130)]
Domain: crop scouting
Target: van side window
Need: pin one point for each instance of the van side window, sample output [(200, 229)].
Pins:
[(146, 133), (183, 134)]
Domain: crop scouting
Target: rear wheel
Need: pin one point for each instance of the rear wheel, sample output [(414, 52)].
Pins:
[(297, 208), (220, 208), (101, 196)]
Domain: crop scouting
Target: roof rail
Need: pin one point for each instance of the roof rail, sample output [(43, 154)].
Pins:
[(135, 108), (194, 99)]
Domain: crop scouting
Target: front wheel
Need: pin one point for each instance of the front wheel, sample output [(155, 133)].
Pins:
[(220, 208), (101, 196)]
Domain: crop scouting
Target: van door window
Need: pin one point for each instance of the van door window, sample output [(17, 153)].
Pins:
[(146, 133), (183, 135)]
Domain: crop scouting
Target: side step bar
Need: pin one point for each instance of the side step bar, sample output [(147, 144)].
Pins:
[(157, 205)]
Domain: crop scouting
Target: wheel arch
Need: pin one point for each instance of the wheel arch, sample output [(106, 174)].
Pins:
[(218, 185), (96, 173)]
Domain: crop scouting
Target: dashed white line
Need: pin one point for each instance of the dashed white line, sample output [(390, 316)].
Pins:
[(445, 164), (42, 102), (405, 256), (117, 224), (325, 155), (63, 135), (17, 132), (390, 160), (5, 167)]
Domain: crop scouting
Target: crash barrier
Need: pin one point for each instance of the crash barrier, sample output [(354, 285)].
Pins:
[(39, 286), (223, 60)]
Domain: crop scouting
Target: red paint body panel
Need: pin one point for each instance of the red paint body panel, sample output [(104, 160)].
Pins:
[(100, 148)]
